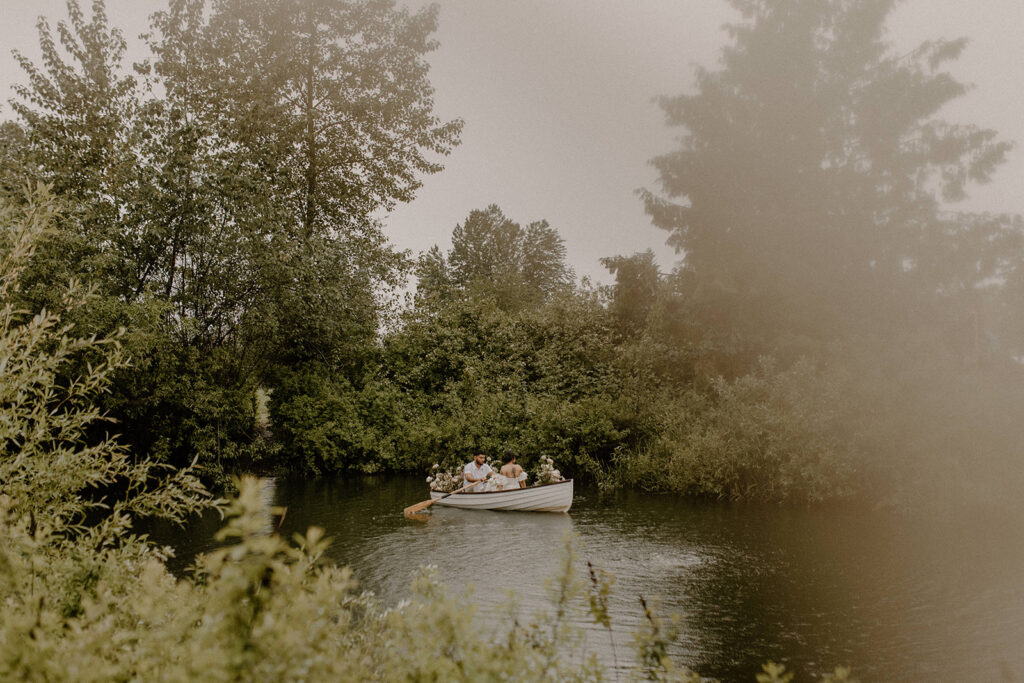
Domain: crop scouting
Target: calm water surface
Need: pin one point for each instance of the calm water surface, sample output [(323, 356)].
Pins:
[(897, 599)]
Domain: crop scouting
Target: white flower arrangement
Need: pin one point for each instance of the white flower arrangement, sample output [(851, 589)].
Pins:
[(546, 473), (441, 479), (444, 480)]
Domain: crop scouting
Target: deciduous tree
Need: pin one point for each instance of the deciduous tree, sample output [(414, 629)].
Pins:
[(493, 255)]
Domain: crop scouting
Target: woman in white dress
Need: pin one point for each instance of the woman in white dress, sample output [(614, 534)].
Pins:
[(510, 476)]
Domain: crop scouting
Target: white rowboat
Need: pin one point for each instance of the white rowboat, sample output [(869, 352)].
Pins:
[(555, 497)]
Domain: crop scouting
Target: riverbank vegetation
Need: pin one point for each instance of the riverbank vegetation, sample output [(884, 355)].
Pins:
[(831, 329), (87, 599)]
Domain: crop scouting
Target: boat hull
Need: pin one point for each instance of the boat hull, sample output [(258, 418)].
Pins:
[(546, 498)]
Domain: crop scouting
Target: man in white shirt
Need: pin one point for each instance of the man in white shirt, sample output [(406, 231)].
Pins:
[(476, 470)]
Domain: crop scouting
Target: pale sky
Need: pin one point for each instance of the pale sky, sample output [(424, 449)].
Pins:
[(556, 96)]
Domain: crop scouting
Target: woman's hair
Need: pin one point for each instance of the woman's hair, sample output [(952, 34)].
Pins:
[(508, 457)]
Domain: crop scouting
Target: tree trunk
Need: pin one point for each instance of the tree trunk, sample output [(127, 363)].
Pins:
[(310, 115)]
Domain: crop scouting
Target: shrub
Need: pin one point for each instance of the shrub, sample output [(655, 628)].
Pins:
[(771, 435)]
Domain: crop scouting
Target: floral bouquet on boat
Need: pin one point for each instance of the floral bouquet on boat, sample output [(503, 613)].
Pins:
[(441, 479), (546, 473), (448, 480)]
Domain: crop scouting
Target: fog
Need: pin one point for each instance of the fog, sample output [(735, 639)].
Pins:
[(729, 251)]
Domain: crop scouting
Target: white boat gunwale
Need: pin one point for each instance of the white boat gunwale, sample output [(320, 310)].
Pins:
[(484, 493)]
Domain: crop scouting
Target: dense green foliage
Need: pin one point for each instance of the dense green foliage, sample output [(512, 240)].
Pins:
[(69, 491), (86, 599), (539, 380), (221, 198), (491, 253), (201, 262), (831, 330)]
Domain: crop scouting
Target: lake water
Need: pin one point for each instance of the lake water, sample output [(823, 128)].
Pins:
[(897, 598)]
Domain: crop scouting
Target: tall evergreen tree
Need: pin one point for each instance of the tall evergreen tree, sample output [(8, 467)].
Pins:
[(807, 189)]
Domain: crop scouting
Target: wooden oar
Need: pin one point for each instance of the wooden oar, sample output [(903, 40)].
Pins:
[(420, 507)]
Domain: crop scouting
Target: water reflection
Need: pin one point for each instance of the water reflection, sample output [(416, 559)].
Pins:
[(896, 598), (487, 552)]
